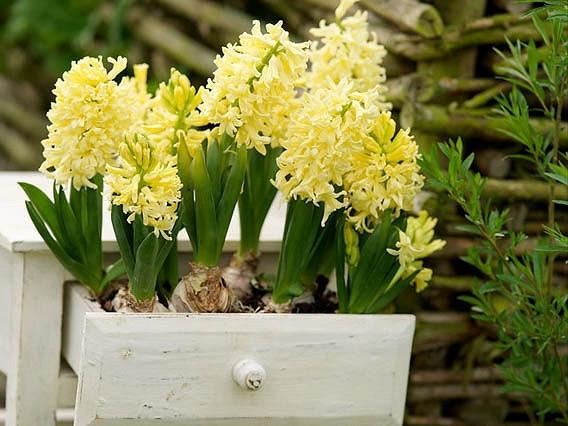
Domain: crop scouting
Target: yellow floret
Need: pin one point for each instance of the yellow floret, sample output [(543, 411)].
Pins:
[(416, 241), (145, 183), (384, 175), (173, 117), (90, 116), (252, 92), (347, 49), (332, 124)]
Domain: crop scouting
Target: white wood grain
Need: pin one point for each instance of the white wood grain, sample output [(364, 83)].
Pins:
[(177, 368), (11, 267), (17, 232), (33, 370)]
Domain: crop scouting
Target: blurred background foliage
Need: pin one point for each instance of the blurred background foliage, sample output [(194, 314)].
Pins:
[(444, 74)]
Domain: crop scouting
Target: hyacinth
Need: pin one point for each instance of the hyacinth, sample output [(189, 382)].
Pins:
[(90, 116), (173, 117), (333, 122), (346, 48), (416, 241), (145, 183), (384, 175), (253, 89)]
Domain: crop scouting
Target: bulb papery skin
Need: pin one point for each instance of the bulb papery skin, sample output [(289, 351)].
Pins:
[(145, 182), (89, 117), (253, 90)]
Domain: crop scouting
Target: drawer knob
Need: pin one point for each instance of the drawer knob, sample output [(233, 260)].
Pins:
[(249, 374)]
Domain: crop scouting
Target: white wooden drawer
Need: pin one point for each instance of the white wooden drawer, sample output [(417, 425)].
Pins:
[(177, 368)]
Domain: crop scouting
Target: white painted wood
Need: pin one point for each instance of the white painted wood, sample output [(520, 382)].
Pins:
[(77, 303), (33, 368), (17, 232), (249, 374), (149, 369), (11, 267)]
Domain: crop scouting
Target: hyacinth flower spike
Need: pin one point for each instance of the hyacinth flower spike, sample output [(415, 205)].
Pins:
[(90, 116), (145, 192), (251, 92)]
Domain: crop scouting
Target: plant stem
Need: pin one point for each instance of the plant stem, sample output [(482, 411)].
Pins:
[(551, 186)]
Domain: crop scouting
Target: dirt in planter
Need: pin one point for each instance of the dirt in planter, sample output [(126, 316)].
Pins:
[(321, 301)]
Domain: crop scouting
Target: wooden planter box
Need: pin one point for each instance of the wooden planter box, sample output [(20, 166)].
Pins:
[(178, 368)]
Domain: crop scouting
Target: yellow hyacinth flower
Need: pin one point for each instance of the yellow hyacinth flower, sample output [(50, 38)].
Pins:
[(90, 116), (348, 49), (173, 117), (252, 92), (416, 241), (332, 124), (383, 175), (145, 183)]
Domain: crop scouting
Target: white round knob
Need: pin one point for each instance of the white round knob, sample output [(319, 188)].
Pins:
[(249, 374)]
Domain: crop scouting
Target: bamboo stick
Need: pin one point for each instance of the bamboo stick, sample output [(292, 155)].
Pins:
[(417, 420), (480, 374), (453, 283), (23, 119), (462, 63), (410, 15), (230, 21), (493, 163), (409, 88), (440, 329), (160, 35), (488, 95), (469, 124), (455, 391), (419, 49), (17, 149), (530, 190)]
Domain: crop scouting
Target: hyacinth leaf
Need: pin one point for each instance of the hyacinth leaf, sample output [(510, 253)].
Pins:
[(213, 162), (321, 259), (70, 226), (342, 289), (124, 237), (187, 206), (114, 272), (58, 225), (205, 212), (168, 276), (300, 234), (257, 196), (143, 281), (383, 300), (377, 263), (75, 268), (44, 207), (372, 250), (230, 194)]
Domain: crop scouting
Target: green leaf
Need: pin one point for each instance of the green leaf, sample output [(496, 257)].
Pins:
[(112, 273), (231, 193), (342, 294), (145, 277), (124, 237), (75, 268), (205, 213), (44, 208)]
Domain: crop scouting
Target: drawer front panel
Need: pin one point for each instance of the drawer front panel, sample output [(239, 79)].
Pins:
[(172, 368)]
